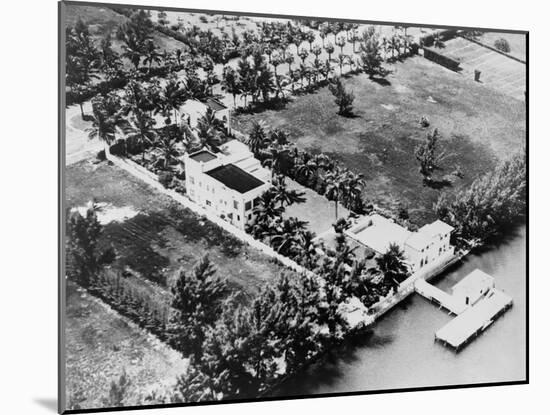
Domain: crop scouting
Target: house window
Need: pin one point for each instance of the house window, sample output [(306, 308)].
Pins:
[(247, 205), (230, 215), (236, 204), (238, 218)]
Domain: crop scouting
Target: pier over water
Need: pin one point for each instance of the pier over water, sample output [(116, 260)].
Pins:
[(476, 303)]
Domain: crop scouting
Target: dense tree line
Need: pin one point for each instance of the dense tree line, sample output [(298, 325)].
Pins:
[(490, 206)]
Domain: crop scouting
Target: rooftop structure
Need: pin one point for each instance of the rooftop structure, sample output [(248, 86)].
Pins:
[(378, 233), (227, 183), (428, 244), (235, 178)]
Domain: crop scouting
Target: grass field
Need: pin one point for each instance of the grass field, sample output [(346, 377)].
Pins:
[(479, 126), (517, 42), (100, 345), (163, 237)]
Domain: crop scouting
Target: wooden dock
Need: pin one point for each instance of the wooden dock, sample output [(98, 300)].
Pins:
[(440, 297), (474, 320)]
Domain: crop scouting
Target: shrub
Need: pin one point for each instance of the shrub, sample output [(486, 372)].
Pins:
[(101, 155), (165, 178), (502, 45)]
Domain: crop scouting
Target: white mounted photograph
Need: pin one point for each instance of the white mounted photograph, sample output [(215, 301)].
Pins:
[(259, 207)]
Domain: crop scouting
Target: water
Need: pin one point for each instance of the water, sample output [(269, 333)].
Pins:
[(400, 351)]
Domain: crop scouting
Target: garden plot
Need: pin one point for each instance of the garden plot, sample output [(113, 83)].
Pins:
[(162, 237), (497, 71)]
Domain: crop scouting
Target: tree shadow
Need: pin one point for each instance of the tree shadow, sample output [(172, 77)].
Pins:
[(49, 403), (437, 184), (381, 80)]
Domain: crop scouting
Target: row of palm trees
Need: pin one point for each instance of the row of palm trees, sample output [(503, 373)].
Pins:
[(317, 171)]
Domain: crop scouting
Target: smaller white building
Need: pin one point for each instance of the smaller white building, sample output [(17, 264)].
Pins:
[(428, 243), (473, 287), (193, 110), (228, 183)]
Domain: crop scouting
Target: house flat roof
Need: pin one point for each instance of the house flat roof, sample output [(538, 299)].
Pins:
[(235, 178), (202, 155), (473, 281), (378, 233)]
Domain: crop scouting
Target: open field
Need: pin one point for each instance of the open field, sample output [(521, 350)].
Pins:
[(101, 344), (478, 126), (163, 236), (497, 71)]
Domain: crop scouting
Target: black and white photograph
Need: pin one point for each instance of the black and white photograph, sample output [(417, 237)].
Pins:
[(264, 207)]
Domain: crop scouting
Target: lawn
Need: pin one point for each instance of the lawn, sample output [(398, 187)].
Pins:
[(163, 236), (317, 210), (479, 126), (101, 344)]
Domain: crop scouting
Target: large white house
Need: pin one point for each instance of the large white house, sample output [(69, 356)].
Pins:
[(426, 245), (228, 183)]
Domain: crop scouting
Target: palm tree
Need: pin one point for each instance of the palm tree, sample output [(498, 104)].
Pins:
[(310, 37), (303, 54), (231, 83), (307, 255), (341, 42), (168, 152), (393, 266), (341, 61), (133, 49), (287, 236), (142, 129), (151, 54), (283, 195), (352, 191), (257, 138), (174, 96), (336, 183), (104, 125), (329, 48), (265, 83), (289, 60)]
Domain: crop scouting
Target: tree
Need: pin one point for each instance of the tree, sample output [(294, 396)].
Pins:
[(257, 138), (196, 305), (343, 98), (371, 59), (265, 83), (428, 157), (111, 65), (174, 96), (341, 42), (285, 238), (289, 60), (502, 45), (106, 118), (324, 30), (84, 260), (393, 266), (336, 183), (82, 61), (341, 61), (490, 205), (303, 54), (142, 130), (283, 194), (231, 83), (310, 38), (329, 48), (151, 54)]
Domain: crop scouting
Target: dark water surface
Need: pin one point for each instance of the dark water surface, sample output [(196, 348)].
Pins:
[(400, 351)]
